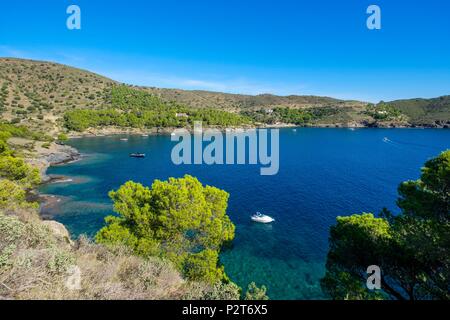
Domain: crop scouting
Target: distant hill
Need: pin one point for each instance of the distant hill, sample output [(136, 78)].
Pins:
[(38, 94), (425, 111), (201, 99), (344, 112)]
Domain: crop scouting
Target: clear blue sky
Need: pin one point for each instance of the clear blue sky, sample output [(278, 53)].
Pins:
[(245, 46)]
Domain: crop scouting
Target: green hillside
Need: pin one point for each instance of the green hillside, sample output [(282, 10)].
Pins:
[(202, 99), (425, 111), (37, 94), (51, 97)]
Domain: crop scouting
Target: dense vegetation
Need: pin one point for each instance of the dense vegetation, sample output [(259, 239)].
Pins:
[(23, 132), (383, 112), (178, 219), (139, 109), (289, 115), (412, 248), (425, 111), (16, 177)]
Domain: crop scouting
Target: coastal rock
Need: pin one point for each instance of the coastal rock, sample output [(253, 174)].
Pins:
[(42, 154), (61, 154), (54, 155), (59, 231)]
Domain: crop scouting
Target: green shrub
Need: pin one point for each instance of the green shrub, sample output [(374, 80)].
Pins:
[(256, 293), (17, 170), (23, 132), (63, 137), (13, 196), (60, 261), (179, 219), (6, 254)]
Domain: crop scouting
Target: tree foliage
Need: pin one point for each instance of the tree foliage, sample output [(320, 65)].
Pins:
[(138, 109), (16, 176), (13, 196), (256, 293), (383, 111), (412, 248), (289, 115), (16, 169), (22, 132), (179, 219), (62, 137)]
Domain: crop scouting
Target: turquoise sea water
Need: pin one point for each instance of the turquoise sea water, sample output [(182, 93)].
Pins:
[(323, 173)]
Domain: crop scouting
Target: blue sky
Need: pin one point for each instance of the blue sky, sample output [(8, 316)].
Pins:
[(244, 46)]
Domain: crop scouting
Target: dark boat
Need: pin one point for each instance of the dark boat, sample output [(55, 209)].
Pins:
[(137, 155)]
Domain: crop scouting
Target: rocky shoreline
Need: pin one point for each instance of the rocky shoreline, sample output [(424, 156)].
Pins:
[(43, 158), (55, 155), (111, 131)]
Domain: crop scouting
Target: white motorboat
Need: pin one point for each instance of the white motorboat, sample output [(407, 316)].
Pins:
[(262, 218)]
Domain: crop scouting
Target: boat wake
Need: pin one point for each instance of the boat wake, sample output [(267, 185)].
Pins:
[(399, 143), (63, 181)]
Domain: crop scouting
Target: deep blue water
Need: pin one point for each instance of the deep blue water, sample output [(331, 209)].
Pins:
[(323, 173)]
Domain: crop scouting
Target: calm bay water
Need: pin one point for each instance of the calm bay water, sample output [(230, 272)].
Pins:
[(323, 173)]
